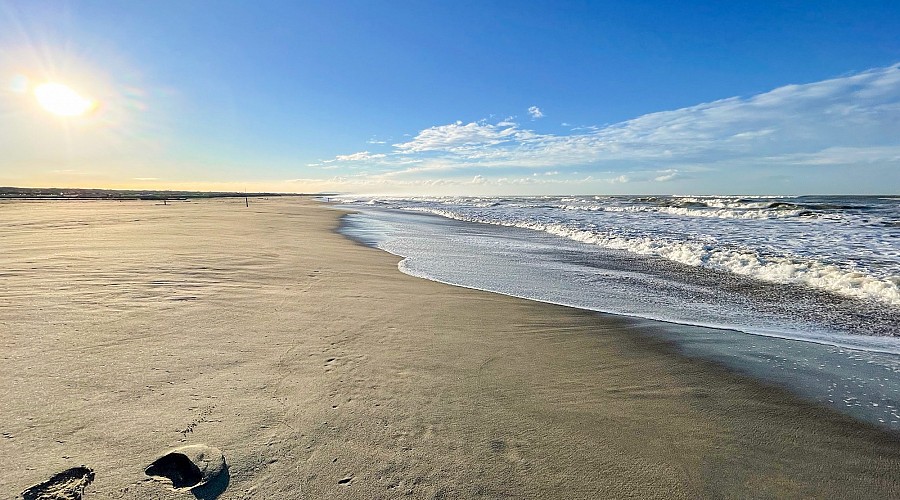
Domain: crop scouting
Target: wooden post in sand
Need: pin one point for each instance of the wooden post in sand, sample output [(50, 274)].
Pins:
[(247, 201)]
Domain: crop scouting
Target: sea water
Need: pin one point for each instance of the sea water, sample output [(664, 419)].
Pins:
[(800, 291)]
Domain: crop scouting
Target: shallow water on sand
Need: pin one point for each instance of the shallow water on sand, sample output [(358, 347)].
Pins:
[(764, 330)]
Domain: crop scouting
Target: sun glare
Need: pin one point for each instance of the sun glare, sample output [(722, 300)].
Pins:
[(61, 100)]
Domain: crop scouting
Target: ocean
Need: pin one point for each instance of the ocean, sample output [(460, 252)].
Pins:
[(803, 292)]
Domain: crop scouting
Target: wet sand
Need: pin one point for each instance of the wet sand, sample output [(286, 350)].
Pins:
[(320, 370)]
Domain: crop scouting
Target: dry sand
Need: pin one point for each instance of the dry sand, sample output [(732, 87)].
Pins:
[(129, 328)]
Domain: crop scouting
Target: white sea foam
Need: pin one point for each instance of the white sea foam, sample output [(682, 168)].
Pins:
[(745, 212), (742, 261), (842, 245)]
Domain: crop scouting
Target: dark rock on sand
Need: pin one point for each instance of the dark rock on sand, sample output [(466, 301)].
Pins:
[(188, 466)]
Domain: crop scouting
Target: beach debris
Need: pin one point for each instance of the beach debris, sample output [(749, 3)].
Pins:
[(66, 485), (188, 466)]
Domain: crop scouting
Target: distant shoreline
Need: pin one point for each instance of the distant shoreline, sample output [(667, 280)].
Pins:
[(65, 194)]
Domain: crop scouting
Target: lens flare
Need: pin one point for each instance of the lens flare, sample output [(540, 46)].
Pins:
[(62, 100)]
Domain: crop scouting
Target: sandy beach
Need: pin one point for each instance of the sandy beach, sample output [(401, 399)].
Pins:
[(321, 371)]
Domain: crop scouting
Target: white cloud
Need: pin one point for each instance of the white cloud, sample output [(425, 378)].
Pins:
[(668, 175), (849, 121), (535, 112), (470, 138), (362, 155)]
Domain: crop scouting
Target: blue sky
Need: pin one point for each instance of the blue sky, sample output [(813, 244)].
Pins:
[(456, 97)]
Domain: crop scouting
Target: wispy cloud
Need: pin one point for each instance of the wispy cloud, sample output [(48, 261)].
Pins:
[(466, 140), (851, 120), (535, 112), (362, 155), (667, 175)]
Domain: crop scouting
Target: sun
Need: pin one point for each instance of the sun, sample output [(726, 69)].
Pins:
[(62, 100)]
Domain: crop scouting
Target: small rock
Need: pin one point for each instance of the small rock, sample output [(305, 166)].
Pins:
[(188, 466)]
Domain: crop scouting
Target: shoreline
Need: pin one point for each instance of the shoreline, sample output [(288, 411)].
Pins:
[(318, 367), (669, 333), (635, 317), (869, 342)]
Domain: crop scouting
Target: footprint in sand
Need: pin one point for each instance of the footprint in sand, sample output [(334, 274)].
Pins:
[(511, 452), (66, 485)]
